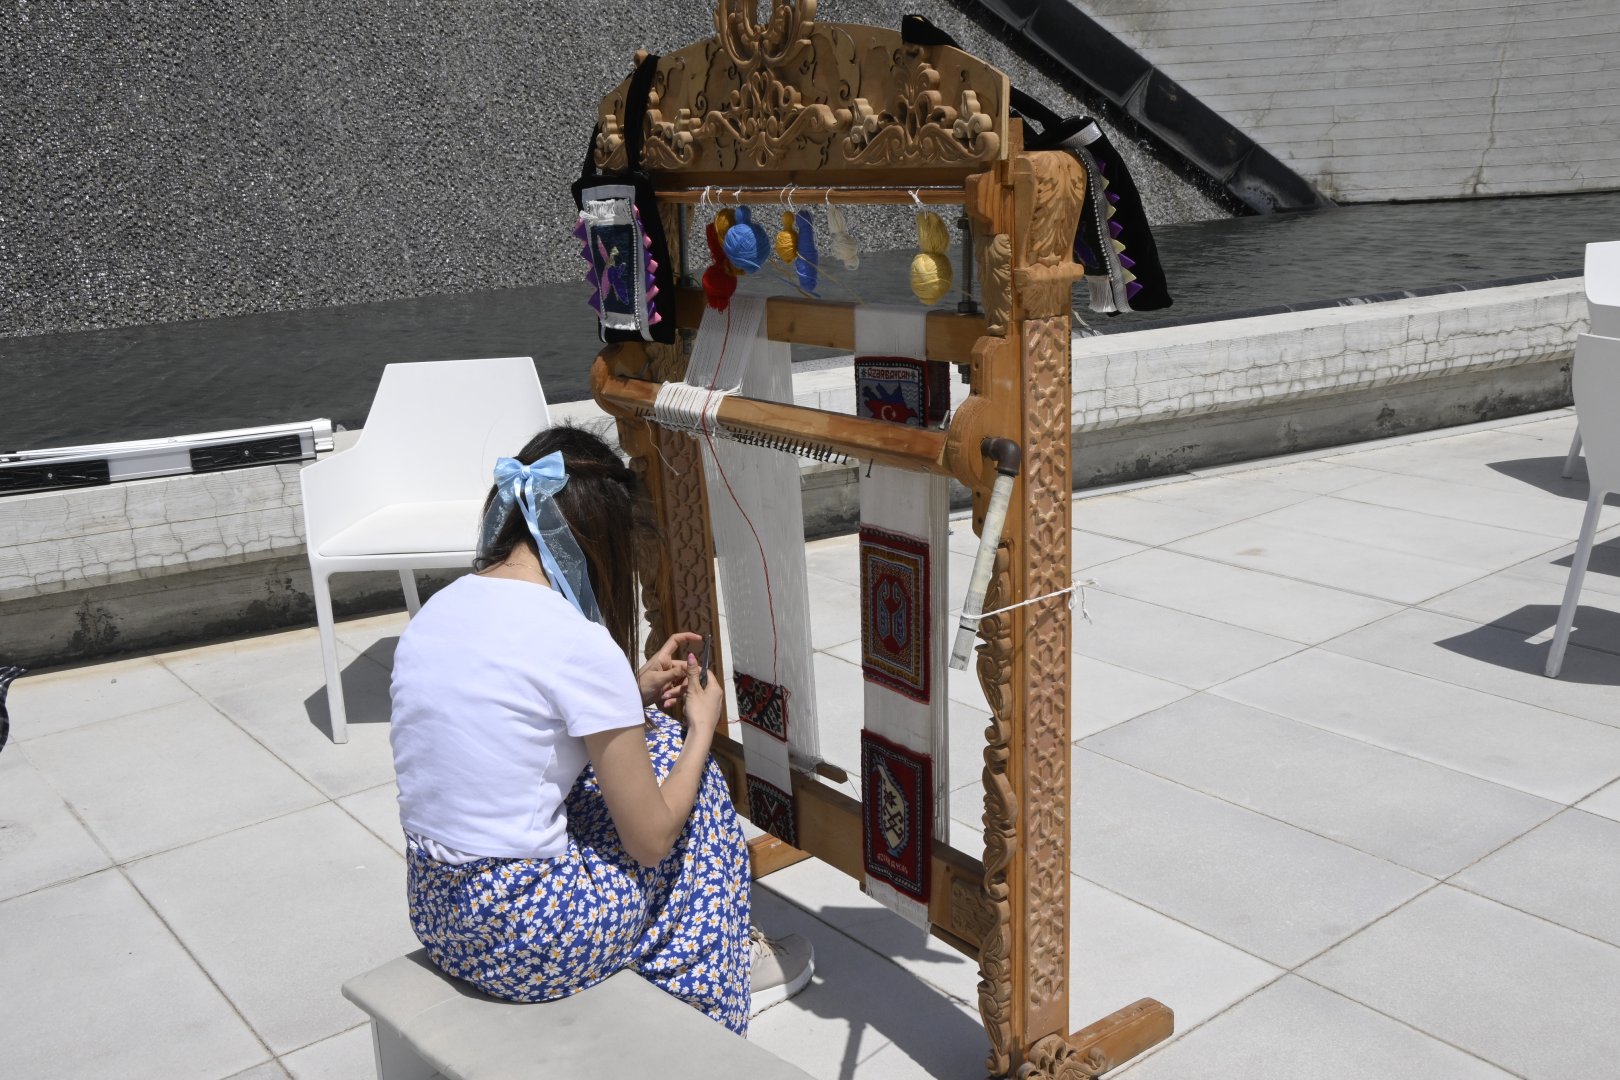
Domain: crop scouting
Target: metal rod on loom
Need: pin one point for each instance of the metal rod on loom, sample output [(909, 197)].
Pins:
[(1008, 458)]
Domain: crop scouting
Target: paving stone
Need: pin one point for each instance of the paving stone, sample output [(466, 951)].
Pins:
[(280, 914), (1105, 695), (1120, 951), (1325, 560), (1507, 663), (1296, 1030), (1316, 477), (270, 1070), (375, 636), (1230, 497), (1529, 996), (857, 1004), (1605, 803), (1409, 532), (1531, 510), (1468, 458), (95, 987), (1555, 756), (1567, 871), (167, 777), (1171, 645), (41, 842), (1087, 550), (1421, 816), (275, 688), (348, 1056), (1515, 601), (1140, 521), (45, 704), (378, 810), (1217, 867), (1279, 606)]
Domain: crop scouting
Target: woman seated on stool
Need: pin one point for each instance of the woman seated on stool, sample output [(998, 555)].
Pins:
[(560, 826)]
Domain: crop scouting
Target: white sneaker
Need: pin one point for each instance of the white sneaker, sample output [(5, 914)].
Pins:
[(782, 967)]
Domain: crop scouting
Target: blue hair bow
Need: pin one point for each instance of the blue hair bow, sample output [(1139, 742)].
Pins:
[(530, 488)]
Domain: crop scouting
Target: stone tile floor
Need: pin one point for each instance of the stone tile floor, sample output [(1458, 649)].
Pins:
[(1325, 806)]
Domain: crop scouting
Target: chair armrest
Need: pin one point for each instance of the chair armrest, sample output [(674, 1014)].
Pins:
[(336, 494)]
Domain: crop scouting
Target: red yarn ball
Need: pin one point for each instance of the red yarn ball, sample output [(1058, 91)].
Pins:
[(718, 287)]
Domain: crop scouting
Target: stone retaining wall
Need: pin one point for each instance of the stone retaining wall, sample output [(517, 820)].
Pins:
[(156, 563)]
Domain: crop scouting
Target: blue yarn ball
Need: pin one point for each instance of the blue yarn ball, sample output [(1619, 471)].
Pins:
[(746, 244)]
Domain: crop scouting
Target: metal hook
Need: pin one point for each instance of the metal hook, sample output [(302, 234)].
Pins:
[(916, 197)]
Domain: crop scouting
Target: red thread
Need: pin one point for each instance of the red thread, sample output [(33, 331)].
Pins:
[(764, 562)]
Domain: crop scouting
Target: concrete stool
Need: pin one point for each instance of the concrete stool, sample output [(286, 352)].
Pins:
[(424, 1023)]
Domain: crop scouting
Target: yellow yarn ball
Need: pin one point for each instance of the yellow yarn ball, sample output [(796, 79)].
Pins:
[(787, 245), (723, 221), (932, 235), (930, 276)]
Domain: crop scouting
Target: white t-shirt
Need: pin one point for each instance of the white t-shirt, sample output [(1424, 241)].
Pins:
[(496, 682)]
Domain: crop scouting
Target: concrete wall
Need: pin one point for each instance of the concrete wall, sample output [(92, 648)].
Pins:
[(185, 159), (156, 563), (1375, 100)]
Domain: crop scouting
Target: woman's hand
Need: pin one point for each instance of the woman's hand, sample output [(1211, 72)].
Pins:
[(663, 677), (704, 704)]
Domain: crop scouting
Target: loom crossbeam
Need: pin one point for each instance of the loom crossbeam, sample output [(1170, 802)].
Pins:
[(830, 830), (813, 432), (830, 324)]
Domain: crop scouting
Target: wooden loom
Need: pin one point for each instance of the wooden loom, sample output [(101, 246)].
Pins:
[(851, 114)]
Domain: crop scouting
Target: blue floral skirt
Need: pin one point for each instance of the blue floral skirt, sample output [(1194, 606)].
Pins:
[(542, 929)]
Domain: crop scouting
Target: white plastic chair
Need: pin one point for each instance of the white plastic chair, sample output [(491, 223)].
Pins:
[(409, 494), (1603, 312), (1597, 403)]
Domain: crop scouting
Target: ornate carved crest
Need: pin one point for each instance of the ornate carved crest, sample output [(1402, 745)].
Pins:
[(791, 94)]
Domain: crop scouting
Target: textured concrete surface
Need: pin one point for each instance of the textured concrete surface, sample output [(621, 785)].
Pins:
[(1361, 859), (1386, 100), (173, 159)]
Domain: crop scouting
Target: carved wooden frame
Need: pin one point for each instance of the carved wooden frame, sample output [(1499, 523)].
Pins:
[(763, 106)]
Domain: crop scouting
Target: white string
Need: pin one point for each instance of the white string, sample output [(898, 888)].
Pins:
[(1078, 586)]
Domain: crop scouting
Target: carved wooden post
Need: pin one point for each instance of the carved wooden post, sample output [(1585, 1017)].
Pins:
[(1031, 212)]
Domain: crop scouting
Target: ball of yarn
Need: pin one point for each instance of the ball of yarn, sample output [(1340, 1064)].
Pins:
[(746, 243), (930, 276), (932, 235), (718, 285), (787, 241)]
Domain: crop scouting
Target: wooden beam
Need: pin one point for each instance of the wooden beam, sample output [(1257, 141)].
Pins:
[(767, 855), (808, 198), (830, 830), (1122, 1035), (830, 324), (917, 449)]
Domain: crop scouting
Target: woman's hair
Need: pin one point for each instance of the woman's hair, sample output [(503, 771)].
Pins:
[(600, 503)]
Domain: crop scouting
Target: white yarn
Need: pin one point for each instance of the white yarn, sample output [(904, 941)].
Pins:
[(918, 505), (760, 546)]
